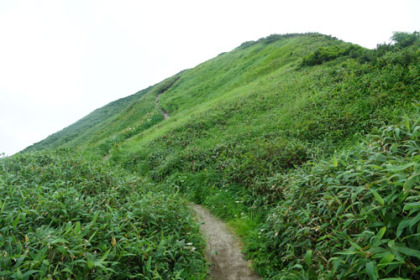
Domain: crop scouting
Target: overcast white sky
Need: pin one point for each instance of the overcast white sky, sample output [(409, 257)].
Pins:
[(61, 59)]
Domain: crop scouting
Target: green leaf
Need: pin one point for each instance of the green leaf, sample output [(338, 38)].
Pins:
[(16, 221), (5, 272), (348, 252), (308, 258), (401, 167), (95, 217), (92, 236), (355, 245), (90, 264), (372, 271), (68, 228), (402, 225), (410, 182), (410, 206), (77, 228), (20, 260), (2, 207), (407, 122), (62, 250), (414, 220), (381, 233), (334, 161), (59, 240), (29, 273), (378, 197), (387, 259), (149, 264), (408, 251), (106, 255), (67, 270), (19, 274)]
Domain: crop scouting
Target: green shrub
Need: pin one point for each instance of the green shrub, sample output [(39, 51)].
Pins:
[(64, 217), (325, 54), (358, 214), (404, 39)]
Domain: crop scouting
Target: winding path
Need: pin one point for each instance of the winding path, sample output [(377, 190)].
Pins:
[(223, 249), (164, 113)]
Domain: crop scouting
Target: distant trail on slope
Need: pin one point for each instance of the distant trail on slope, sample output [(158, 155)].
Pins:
[(164, 113), (223, 249)]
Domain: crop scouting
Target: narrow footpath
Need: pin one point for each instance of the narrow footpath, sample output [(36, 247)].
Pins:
[(223, 249), (164, 113)]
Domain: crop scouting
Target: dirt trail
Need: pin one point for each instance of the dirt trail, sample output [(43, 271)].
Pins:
[(164, 113), (223, 249)]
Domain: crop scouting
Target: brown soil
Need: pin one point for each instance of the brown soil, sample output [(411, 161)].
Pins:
[(223, 249), (164, 113)]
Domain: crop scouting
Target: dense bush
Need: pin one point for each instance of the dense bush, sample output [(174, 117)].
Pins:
[(64, 217), (325, 54), (355, 216), (403, 39)]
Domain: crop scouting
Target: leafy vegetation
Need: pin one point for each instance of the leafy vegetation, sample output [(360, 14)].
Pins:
[(356, 214), (65, 217), (295, 140), (325, 54)]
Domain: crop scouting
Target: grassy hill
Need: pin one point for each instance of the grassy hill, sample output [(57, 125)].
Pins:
[(305, 144)]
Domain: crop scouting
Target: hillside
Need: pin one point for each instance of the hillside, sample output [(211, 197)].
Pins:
[(307, 145), (192, 88)]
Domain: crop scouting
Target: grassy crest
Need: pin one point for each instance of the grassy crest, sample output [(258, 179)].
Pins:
[(65, 217)]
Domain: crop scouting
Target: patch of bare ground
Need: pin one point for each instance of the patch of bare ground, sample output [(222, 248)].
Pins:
[(164, 113), (223, 249)]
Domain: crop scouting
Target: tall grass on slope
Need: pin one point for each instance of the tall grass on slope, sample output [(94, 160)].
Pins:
[(356, 216), (64, 217)]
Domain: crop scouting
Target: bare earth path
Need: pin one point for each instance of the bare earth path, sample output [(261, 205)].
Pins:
[(223, 249), (164, 113)]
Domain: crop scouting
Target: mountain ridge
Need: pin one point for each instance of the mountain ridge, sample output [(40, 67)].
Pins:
[(126, 100)]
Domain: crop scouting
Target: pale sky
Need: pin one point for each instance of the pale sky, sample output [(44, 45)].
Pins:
[(62, 59)]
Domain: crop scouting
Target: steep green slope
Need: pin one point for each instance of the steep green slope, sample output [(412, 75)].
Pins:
[(93, 122), (279, 119), (110, 124), (191, 88), (260, 134)]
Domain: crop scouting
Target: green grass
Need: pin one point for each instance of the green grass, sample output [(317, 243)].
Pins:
[(289, 122)]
